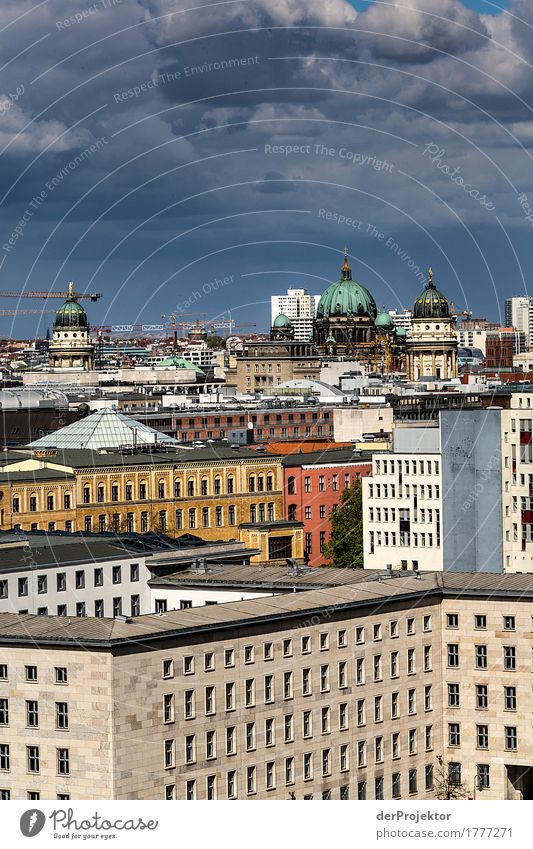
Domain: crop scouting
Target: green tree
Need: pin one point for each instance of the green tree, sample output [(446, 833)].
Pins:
[(215, 341), (345, 547)]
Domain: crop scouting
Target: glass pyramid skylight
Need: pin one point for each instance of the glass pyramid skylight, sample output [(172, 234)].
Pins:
[(103, 429)]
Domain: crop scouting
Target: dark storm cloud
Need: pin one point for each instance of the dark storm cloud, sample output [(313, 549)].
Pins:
[(209, 123)]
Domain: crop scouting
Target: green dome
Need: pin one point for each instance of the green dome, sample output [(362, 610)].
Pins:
[(71, 314), (384, 321), (282, 321), (431, 303), (331, 340), (346, 298), (401, 332)]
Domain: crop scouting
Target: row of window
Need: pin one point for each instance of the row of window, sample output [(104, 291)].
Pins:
[(376, 632), (33, 759), (409, 467), (480, 621), (5, 794), (61, 580), (384, 490), (272, 776), (481, 656), (334, 482), (50, 502), (386, 514), (80, 608), (31, 674), (510, 736), (32, 714), (482, 696)]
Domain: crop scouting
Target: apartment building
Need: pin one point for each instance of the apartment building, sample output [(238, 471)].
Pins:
[(314, 484), (300, 307), (435, 501), (339, 693)]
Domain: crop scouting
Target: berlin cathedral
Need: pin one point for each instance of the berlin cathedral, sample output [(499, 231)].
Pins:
[(348, 324)]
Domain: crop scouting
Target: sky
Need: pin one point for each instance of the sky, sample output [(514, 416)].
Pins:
[(193, 158)]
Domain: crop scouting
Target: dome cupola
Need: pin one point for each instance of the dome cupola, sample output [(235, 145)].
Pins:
[(71, 314), (346, 298), (431, 303)]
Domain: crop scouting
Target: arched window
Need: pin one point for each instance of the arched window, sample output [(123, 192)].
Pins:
[(261, 483), (161, 489), (86, 494), (203, 486), (129, 491), (190, 486), (100, 493), (291, 485), (231, 485), (205, 517), (251, 483), (218, 486), (33, 502), (177, 489), (270, 483), (50, 501), (114, 491), (142, 490), (192, 518)]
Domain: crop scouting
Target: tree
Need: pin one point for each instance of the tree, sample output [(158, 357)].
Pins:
[(215, 341), (446, 782), (345, 547)]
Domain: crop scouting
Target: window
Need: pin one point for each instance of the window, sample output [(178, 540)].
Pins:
[(510, 698), (378, 787), (324, 678), (210, 744), (269, 732), (341, 639), (169, 754), (248, 654), (413, 781), (427, 623), (480, 622), (509, 623), (378, 749), (287, 685), (211, 787), (394, 664), (509, 658), (343, 716), (249, 692), (80, 579), (22, 587), (453, 654), (452, 620), (429, 776), (62, 716), (116, 576), (325, 720), (288, 735), (63, 762), (395, 698), (32, 758), (306, 645), (190, 789), (209, 700), (411, 667), (361, 790), (360, 670), (230, 696), (395, 786), (209, 661), (454, 773), (269, 688), (482, 736), (411, 741), (268, 651), (289, 770), (326, 761), (287, 648), (395, 745), (482, 696), (324, 642), (31, 673), (454, 734), (188, 699), (229, 657), (377, 667), (4, 756), (511, 738), (230, 740), (483, 776)]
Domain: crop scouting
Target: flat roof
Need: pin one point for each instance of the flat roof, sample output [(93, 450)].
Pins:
[(262, 577), (140, 632), (78, 458)]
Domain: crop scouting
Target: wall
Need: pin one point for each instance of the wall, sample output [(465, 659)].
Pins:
[(352, 422), (472, 491)]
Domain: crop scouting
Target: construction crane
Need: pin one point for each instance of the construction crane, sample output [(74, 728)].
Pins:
[(5, 313), (94, 296), (456, 312)]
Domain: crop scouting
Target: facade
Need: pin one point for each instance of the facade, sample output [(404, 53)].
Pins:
[(431, 340), (351, 423), (298, 422), (313, 486), (251, 702), (437, 500), (71, 345), (263, 365), (499, 348), (300, 307)]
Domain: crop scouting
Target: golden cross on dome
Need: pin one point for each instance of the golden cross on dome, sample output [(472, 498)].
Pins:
[(430, 275), (70, 285), (345, 266)]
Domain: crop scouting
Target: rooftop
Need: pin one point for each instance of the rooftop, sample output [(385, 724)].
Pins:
[(144, 630)]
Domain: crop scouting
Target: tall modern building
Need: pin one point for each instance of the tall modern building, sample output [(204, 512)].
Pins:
[(300, 307), (519, 314)]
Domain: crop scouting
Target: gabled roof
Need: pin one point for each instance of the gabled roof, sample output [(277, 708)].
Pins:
[(105, 428)]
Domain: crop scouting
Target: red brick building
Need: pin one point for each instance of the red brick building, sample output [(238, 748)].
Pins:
[(295, 423), (312, 487)]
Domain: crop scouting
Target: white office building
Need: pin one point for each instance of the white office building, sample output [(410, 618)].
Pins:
[(401, 318), (519, 314), (300, 307)]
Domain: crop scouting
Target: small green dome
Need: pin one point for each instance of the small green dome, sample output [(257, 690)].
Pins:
[(282, 321), (431, 303), (401, 333), (331, 340), (346, 298), (384, 321), (71, 314)]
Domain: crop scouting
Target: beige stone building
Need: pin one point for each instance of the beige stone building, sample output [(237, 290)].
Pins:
[(348, 692), (261, 365)]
